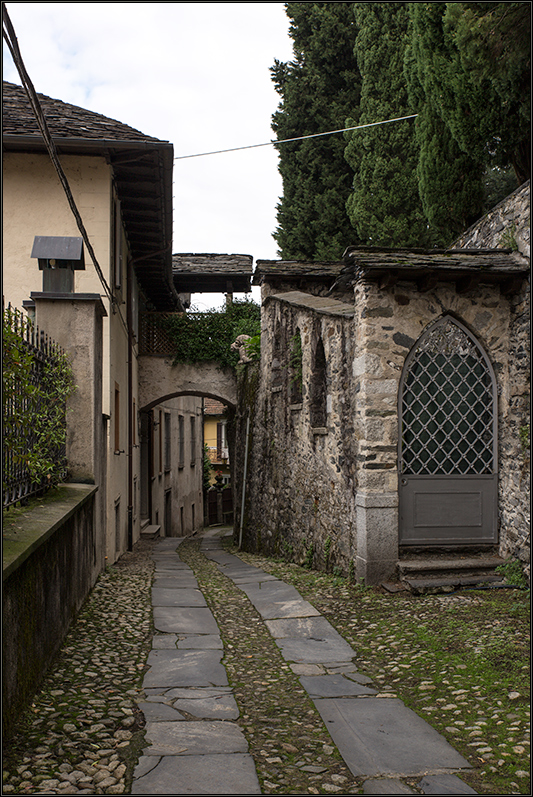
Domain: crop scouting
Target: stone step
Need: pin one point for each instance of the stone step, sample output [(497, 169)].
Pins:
[(434, 565), (150, 532), (445, 574), (436, 585)]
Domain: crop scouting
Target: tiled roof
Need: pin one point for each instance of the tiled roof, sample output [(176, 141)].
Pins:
[(213, 407), (215, 273), (64, 120), (296, 268)]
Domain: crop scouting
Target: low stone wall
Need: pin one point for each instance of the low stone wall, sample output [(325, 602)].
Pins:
[(50, 564)]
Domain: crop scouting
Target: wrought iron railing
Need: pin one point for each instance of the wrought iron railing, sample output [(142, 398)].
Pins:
[(28, 355)]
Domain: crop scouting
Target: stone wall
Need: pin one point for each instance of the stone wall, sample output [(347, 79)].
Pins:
[(322, 485), (51, 561), (508, 225), (303, 451)]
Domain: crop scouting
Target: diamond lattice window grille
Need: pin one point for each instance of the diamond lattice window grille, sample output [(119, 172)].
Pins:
[(447, 406)]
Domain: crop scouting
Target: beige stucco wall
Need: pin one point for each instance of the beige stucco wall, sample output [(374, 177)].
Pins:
[(34, 203)]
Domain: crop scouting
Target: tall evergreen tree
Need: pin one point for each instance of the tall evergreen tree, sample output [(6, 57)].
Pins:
[(489, 71), (318, 90), (450, 181), (384, 205)]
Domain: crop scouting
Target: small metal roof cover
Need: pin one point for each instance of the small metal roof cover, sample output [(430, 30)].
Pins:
[(59, 247)]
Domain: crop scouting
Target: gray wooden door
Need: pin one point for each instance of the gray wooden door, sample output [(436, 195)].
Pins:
[(448, 479)]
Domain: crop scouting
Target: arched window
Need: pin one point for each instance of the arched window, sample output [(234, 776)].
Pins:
[(296, 369), (318, 392)]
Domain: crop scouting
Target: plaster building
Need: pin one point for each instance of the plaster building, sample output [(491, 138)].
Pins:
[(121, 182), (216, 438), (389, 403)]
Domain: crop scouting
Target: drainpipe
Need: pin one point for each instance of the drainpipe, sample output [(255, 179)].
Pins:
[(244, 477), (131, 419)]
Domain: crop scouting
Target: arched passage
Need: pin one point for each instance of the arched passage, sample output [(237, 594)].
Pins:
[(448, 440), (171, 438), (159, 379)]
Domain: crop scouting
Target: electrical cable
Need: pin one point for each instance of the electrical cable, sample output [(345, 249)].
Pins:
[(299, 138), (12, 43)]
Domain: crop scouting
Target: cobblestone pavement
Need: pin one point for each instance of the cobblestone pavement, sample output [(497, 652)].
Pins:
[(84, 732)]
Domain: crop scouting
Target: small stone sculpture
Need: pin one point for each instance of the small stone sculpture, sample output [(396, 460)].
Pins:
[(239, 346)]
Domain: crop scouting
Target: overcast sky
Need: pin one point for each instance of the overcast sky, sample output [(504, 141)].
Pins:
[(194, 74)]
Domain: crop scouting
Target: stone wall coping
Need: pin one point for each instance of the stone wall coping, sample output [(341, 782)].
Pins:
[(319, 304), (72, 297), (26, 529), (376, 500)]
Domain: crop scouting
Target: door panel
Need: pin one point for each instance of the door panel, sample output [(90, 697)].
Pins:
[(448, 511)]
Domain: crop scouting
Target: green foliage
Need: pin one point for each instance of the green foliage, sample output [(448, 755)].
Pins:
[(514, 573), (308, 558), (318, 90), (207, 471), (384, 205), (203, 337), (507, 238), (34, 408), (473, 63), (524, 438), (253, 346)]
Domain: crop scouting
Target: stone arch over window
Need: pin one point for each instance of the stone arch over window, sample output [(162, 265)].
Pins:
[(318, 387)]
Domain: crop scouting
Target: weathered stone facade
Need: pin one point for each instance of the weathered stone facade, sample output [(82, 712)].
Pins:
[(509, 224), (323, 479)]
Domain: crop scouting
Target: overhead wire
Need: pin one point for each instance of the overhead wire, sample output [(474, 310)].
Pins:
[(298, 138)]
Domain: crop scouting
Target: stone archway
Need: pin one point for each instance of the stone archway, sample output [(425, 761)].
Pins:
[(159, 379)]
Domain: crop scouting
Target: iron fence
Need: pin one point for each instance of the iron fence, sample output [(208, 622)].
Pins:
[(30, 358)]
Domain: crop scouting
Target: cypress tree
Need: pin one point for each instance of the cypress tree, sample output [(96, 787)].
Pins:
[(318, 90), (384, 205), (450, 181)]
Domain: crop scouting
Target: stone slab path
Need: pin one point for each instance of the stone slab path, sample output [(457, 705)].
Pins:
[(203, 750)]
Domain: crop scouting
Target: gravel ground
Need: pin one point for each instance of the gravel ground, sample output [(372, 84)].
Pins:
[(83, 732)]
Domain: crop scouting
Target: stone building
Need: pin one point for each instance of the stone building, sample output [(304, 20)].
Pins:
[(389, 409)]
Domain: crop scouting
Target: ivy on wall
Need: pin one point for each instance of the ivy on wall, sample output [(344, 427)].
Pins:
[(201, 337)]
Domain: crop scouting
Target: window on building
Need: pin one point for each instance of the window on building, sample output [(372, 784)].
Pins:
[(117, 245), (181, 441), (160, 427), (193, 440), (168, 438), (318, 391), (117, 418)]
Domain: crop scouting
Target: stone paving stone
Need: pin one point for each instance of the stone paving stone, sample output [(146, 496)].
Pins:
[(202, 774), (222, 707), (333, 686), (444, 784), (380, 736), (185, 620), (185, 668), (203, 642), (307, 627), (386, 786), (271, 592), (177, 581), (177, 597), (315, 651), (159, 712), (194, 738), (296, 608), (165, 641)]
